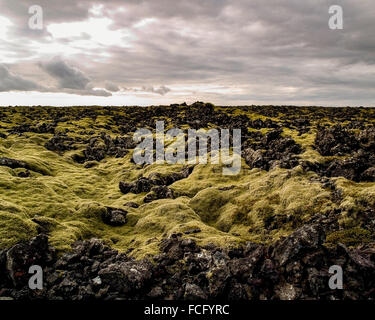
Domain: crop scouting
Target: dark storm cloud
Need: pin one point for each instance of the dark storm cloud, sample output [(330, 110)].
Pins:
[(270, 50), (68, 77), (71, 80), (12, 82)]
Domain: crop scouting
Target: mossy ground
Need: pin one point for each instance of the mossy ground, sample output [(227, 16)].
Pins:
[(255, 205)]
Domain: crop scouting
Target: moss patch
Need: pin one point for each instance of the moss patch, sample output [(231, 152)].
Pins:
[(350, 237), (254, 205)]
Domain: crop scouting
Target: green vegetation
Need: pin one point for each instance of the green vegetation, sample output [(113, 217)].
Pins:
[(350, 237), (68, 197)]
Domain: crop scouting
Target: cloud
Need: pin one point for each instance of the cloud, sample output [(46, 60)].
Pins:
[(12, 82), (70, 79), (261, 51), (93, 92), (162, 90), (112, 87), (67, 76)]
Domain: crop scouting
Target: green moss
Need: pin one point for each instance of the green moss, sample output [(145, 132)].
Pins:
[(350, 237), (254, 205), (14, 228)]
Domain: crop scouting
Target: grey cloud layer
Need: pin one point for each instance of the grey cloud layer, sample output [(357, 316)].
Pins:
[(68, 77), (70, 80), (270, 50), (10, 81)]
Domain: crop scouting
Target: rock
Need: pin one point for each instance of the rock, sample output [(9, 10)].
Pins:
[(60, 143), (237, 292), (172, 248), (97, 281), (368, 175), (359, 163), (156, 293), (193, 292), (361, 260), (12, 163), (254, 158), (192, 231), (39, 128), (22, 256), (335, 141), (157, 183), (159, 192), (288, 291), (269, 272), (242, 269), (101, 146), (317, 280), (139, 186), (273, 150), (125, 187), (24, 174), (304, 239), (132, 205), (114, 217), (127, 276), (294, 268)]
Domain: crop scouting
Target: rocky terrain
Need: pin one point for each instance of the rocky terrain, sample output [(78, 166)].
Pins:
[(102, 227), (293, 268)]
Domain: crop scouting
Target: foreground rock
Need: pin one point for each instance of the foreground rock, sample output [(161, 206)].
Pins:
[(293, 268), (358, 149), (114, 217), (155, 185), (273, 150), (12, 163)]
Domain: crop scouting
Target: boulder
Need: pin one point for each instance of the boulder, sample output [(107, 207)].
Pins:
[(114, 217)]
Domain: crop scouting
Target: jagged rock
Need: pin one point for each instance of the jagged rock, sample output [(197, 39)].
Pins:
[(156, 293), (273, 150), (22, 256), (12, 163), (60, 143), (183, 270), (159, 192), (127, 276), (254, 158), (156, 182), (368, 175), (335, 141), (132, 205), (39, 128), (24, 174), (99, 147), (114, 217), (304, 239), (288, 292), (192, 231), (193, 292)]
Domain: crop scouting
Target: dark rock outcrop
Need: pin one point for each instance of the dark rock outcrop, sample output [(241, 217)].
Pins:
[(155, 184), (114, 217), (60, 143), (296, 267), (103, 145), (273, 150)]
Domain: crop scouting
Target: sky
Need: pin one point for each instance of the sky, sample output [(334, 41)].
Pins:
[(156, 52)]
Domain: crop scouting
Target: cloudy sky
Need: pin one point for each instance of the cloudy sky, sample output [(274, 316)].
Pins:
[(142, 52)]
